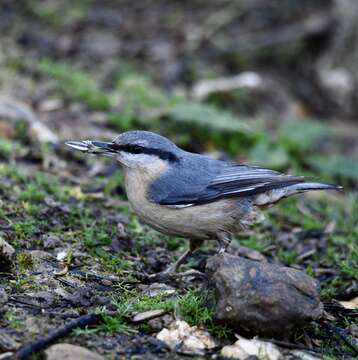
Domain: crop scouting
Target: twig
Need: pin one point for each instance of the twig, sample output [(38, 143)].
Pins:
[(25, 303), (40, 344), (89, 276), (339, 310), (164, 277)]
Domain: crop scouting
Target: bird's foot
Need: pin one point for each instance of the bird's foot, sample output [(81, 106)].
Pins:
[(224, 242), (221, 250)]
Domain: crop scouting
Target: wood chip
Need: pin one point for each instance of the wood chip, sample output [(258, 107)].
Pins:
[(147, 315)]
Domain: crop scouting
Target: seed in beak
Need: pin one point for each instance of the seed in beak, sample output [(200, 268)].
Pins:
[(79, 145)]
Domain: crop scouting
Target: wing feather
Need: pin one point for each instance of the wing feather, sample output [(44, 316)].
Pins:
[(228, 180)]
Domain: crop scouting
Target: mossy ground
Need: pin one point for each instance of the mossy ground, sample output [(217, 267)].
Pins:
[(54, 200)]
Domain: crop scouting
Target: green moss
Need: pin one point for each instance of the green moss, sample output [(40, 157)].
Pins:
[(13, 319), (58, 13), (256, 241), (287, 257), (10, 148), (14, 173), (191, 307), (141, 102), (24, 229), (75, 85), (24, 261), (32, 193)]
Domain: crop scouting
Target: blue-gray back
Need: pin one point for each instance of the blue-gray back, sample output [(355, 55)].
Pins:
[(198, 179)]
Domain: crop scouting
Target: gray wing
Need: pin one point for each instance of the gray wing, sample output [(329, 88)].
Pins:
[(213, 180)]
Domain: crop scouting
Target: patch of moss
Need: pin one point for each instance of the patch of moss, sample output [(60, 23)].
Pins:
[(58, 13), (191, 307), (10, 148), (24, 261), (32, 193), (24, 229), (75, 84)]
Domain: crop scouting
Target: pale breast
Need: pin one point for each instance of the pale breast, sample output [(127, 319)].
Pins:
[(200, 221)]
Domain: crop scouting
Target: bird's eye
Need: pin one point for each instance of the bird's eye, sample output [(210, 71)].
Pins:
[(133, 149), (136, 149)]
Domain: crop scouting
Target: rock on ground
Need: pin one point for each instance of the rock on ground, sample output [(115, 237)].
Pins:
[(244, 348), (186, 339), (262, 298), (6, 253), (70, 352)]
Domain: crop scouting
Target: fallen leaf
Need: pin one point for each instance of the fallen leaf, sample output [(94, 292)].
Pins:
[(351, 304), (62, 272)]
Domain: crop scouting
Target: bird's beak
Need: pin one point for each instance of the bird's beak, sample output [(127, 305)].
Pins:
[(93, 147)]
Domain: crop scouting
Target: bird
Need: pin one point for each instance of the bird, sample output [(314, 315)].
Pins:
[(190, 195)]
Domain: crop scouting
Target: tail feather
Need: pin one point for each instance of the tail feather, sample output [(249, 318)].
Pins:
[(273, 196), (306, 186)]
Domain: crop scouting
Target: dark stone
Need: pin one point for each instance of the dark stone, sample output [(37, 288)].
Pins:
[(51, 241), (262, 298)]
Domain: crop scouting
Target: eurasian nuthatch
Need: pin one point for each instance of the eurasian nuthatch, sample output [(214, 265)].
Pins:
[(190, 195)]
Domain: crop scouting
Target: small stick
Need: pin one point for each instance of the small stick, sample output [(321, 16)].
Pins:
[(40, 344), (85, 320)]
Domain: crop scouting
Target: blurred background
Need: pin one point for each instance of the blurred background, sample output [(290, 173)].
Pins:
[(273, 83)]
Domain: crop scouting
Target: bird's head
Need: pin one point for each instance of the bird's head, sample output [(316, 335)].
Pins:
[(134, 149)]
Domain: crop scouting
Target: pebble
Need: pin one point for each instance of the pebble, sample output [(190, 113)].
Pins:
[(70, 352)]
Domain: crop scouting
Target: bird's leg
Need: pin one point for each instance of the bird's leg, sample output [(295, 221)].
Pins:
[(193, 246), (171, 270), (224, 240)]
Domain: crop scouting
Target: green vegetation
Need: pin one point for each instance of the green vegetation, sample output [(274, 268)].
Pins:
[(24, 261), (191, 307), (75, 85), (37, 201), (10, 149), (58, 13), (142, 104)]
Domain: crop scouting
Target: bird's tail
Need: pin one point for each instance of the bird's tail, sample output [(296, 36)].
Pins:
[(274, 195)]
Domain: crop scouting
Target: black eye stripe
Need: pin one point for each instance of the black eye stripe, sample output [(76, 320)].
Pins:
[(134, 149), (137, 149)]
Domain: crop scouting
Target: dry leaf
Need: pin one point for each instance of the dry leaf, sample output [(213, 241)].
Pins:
[(351, 304)]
